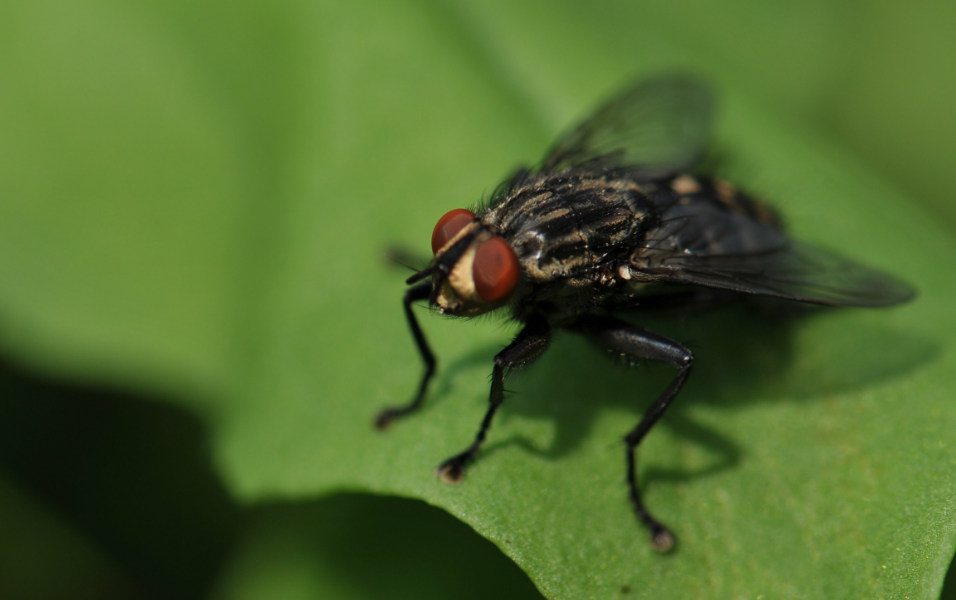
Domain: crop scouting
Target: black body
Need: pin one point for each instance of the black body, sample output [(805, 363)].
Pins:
[(611, 222), (589, 239)]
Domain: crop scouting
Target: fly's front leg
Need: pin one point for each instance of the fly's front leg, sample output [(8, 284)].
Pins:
[(641, 343), (421, 291), (529, 345)]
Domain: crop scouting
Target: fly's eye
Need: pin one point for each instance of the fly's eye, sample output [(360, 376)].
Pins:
[(449, 225), (495, 270)]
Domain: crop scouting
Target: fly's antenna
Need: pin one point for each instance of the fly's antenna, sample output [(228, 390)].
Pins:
[(420, 275), (399, 257)]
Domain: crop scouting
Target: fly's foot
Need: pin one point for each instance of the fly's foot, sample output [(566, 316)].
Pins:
[(452, 471), (662, 539), (385, 418)]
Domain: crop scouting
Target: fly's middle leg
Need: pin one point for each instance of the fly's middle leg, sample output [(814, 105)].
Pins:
[(641, 343), (421, 291), (529, 345)]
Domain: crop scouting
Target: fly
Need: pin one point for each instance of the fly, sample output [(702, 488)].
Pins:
[(615, 220)]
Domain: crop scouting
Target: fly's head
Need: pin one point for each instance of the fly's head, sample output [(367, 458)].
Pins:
[(474, 271)]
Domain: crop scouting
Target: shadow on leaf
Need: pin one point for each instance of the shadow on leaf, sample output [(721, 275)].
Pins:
[(743, 354)]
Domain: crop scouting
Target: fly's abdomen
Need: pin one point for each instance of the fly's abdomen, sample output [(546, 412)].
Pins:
[(696, 216)]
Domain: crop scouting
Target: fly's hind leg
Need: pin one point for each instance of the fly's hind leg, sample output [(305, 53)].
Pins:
[(640, 343), (421, 291), (529, 345)]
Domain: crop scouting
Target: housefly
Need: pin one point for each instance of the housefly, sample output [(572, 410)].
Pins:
[(615, 220)]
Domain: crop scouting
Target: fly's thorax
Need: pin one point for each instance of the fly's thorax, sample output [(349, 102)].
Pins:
[(565, 226)]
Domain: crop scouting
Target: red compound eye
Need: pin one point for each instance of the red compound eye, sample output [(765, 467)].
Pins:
[(495, 270), (449, 225)]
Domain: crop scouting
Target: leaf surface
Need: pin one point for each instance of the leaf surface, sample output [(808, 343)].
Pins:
[(203, 210)]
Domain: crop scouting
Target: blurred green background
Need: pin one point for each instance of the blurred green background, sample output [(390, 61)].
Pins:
[(196, 324)]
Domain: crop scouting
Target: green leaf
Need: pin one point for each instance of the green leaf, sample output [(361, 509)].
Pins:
[(893, 102), (197, 198), (129, 478), (44, 558), (359, 546)]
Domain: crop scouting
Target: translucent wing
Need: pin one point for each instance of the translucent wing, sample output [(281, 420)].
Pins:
[(657, 127), (801, 272), (699, 245)]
